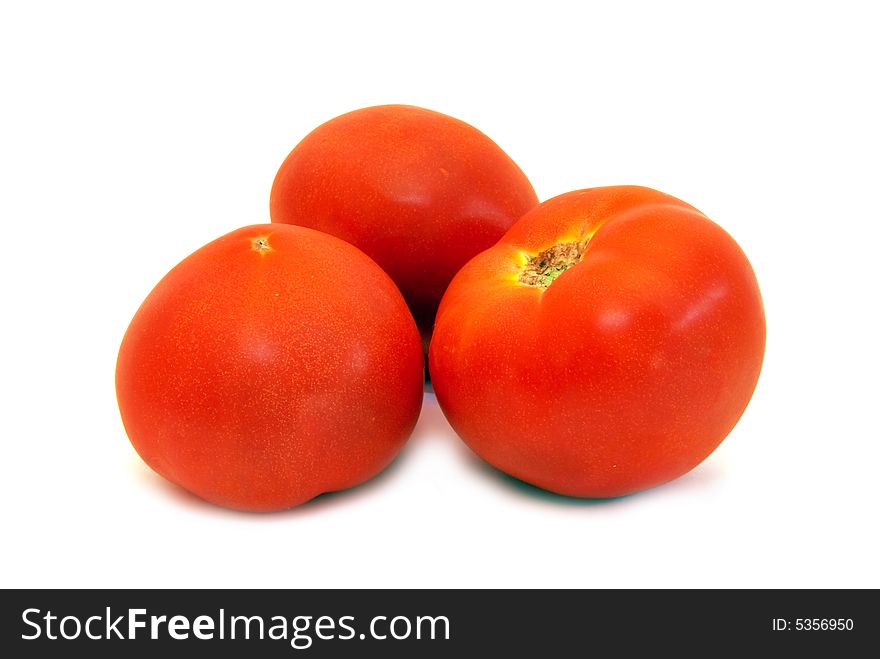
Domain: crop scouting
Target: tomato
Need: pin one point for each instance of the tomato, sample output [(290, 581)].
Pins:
[(418, 191), (269, 366), (607, 344)]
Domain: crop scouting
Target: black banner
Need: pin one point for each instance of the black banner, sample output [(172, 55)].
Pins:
[(290, 623)]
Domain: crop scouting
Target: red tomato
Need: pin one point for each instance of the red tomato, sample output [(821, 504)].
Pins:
[(608, 343), (269, 366), (418, 191)]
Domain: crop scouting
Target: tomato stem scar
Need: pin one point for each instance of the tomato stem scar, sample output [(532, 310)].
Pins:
[(260, 244), (542, 269)]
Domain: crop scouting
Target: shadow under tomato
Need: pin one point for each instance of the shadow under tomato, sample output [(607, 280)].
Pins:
[(329, 500), (166, 488), (701, 477), (520, 487), (432, 423)]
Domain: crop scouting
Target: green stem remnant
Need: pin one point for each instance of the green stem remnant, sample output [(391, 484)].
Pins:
[(543, 269)]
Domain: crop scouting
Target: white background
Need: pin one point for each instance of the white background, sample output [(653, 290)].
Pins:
[(132, 134)]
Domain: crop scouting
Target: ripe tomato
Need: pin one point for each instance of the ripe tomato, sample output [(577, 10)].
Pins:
[(608, 343), (418, 191), (269, 366)]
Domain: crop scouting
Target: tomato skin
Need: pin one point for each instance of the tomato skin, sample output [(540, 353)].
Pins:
[(626, 371), (258, 375), (420, 192)]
